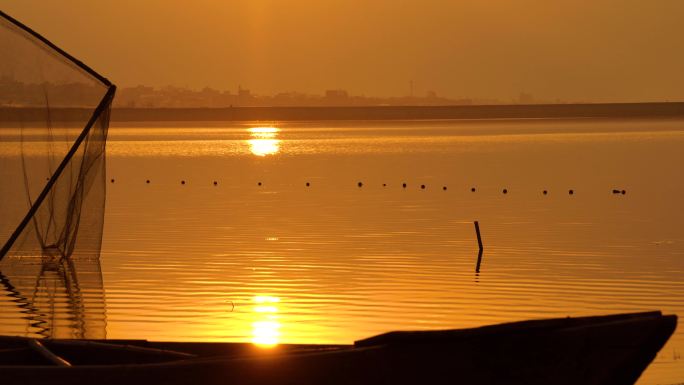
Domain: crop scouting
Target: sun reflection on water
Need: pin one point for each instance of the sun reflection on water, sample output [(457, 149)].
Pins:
[(266, 327), (263, 141)]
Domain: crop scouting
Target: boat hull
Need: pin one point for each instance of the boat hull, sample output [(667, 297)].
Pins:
[(592, 350)]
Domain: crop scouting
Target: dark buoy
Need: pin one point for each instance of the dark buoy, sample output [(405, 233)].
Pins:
[(360, 184), (505, 191), (403, 185), (308, 184), (571, 192), (444, 188), (472, 189), (422, 186), (545, 192), (182, 182), (112, 180), (259, 184), (623, 192), (215, 183), (384, 185), (147, 181)]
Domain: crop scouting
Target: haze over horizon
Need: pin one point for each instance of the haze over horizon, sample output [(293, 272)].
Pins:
[(628, 50)]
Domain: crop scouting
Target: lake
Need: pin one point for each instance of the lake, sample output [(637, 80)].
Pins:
[(328, 232)]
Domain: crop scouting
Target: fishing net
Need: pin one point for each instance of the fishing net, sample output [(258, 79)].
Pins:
[(54, 116), (54, 113)]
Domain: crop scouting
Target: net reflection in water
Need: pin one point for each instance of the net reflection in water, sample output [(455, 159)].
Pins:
[(57, 297), (54, 118)]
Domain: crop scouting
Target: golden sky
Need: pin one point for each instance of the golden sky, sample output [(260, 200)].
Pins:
[(575, 50)]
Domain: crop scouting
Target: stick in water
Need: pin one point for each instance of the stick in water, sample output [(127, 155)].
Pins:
[(479, 243)]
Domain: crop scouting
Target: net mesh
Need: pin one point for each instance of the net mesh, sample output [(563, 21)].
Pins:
[(54, 117)]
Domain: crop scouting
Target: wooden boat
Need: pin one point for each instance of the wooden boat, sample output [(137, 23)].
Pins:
[(612, 349)]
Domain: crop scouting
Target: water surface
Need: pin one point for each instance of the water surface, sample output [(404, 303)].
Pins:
[(260, 256)]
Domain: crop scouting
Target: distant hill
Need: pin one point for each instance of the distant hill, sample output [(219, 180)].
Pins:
[(617, 110), (532, 111)]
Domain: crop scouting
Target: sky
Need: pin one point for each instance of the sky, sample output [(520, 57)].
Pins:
[(571, 50)]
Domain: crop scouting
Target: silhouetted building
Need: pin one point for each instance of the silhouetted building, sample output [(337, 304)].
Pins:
[(336, 97), (244, 93), (525, 98), (336, 94)]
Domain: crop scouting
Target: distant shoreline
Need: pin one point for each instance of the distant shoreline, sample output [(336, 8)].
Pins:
[(533, 111), (622, 110)]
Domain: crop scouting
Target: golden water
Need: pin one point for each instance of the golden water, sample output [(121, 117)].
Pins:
[(331, 262)]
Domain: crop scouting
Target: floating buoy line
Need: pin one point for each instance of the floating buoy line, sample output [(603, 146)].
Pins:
[(404, 185)]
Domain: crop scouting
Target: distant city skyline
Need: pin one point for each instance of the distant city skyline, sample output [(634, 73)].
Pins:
[(16, 93), (172, 96)]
